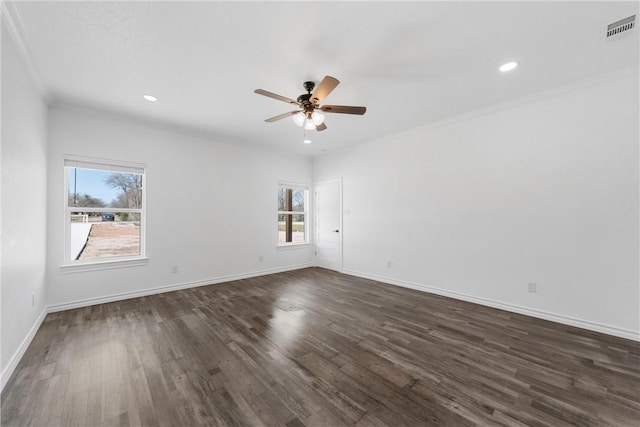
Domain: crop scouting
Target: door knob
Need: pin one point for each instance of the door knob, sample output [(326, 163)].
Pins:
[(336, 231)]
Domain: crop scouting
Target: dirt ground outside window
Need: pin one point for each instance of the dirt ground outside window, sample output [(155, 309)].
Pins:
[(115, 239)]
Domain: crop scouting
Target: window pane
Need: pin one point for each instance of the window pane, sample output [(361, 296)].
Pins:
[(298, 200), (281, 201), (298, 229), (291, 228), (98, 188), (104, 235), (291, 200), (282, 228)]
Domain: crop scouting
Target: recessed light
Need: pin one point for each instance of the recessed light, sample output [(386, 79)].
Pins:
[(150, 98), (307, 141), (508, 66)]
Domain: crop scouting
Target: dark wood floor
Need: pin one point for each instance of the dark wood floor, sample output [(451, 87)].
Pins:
[(314, 347)]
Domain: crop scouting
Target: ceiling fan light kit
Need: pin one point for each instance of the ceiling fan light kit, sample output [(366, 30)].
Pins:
[(299, 118), (317, 117), (310, 115)]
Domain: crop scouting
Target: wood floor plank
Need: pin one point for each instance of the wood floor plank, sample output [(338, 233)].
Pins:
[(317, 348)]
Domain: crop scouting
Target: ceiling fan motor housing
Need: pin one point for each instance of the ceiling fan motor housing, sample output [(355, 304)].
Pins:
[(306, 103)]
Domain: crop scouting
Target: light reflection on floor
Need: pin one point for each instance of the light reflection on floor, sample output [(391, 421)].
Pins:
[(287, 323)]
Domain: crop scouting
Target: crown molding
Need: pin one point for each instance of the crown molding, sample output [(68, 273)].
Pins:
[(13, 21), (633, 70), (527, 99)]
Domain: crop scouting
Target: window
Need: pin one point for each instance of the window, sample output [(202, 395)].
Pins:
[(292, 214), (104, 211)]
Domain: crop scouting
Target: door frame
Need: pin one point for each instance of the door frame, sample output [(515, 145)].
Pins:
[(315, 220)]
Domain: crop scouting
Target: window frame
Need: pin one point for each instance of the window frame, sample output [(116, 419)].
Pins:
[(304, 213), (109, 165)]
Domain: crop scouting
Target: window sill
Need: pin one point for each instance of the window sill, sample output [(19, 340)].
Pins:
[(103, 265), (293, 246)]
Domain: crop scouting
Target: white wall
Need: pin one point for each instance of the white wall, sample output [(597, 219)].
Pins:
[(24, 208), (543, 190), (210, 206)]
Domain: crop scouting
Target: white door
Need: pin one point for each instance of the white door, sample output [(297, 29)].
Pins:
[(328, 203)]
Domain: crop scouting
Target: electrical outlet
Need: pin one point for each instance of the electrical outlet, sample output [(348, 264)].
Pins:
[(532, 287), (388, 264), (33, 300), (260, 258), (174, 269)]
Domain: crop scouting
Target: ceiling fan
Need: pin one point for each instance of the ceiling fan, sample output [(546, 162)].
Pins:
[(310, 113)]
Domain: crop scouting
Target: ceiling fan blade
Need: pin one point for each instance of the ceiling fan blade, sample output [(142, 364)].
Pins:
[(343, 109), (276, 96), (324, 88), (321, 126), (281, 116)]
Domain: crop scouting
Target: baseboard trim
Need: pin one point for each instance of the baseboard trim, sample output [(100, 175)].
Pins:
[(170, 288), (553, 317), (22, 348), (6, 373)]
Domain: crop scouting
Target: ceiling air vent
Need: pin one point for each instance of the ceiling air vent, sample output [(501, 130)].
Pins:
[(621, 26)]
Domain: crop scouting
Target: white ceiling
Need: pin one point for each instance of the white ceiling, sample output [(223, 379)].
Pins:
[(409, 63)]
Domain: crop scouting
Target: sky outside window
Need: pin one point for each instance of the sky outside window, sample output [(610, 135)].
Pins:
[(93, 183)]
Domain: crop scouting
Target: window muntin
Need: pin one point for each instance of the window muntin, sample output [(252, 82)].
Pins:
[(292, 214), (104, 211)]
